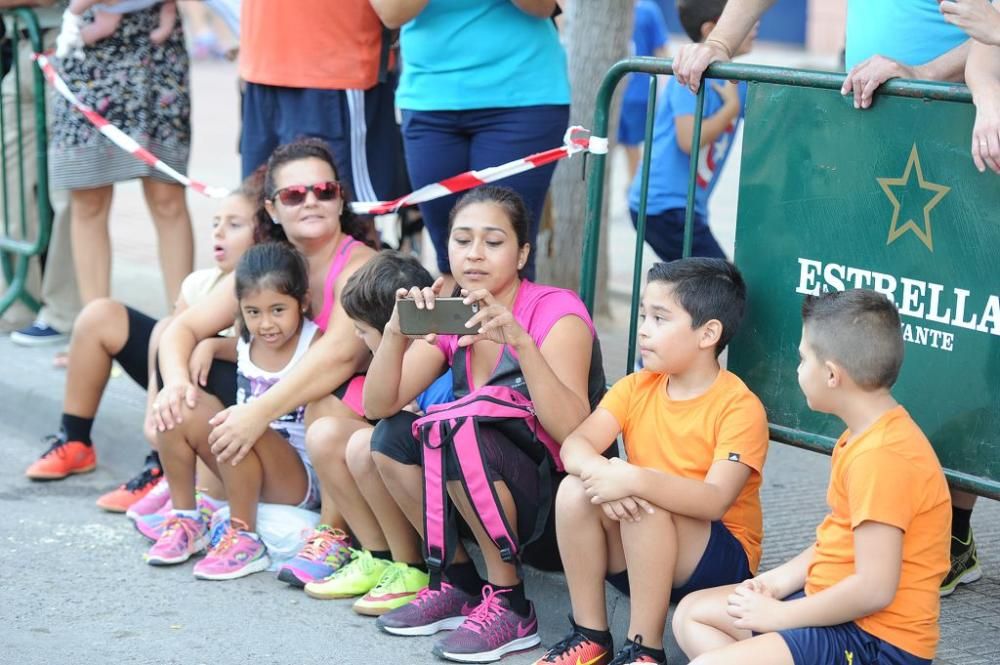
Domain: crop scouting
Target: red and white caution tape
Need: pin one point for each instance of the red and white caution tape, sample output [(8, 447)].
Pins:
[(117, 136), (576, 140)]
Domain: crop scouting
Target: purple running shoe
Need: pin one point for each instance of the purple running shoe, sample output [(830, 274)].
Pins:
[(430, 612), (490, 632)]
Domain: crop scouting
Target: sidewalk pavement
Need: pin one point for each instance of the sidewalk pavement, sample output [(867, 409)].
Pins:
[(74, 588)]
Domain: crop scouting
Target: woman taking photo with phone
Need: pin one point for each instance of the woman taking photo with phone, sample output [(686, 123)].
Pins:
[(304, 196), (536, 340)]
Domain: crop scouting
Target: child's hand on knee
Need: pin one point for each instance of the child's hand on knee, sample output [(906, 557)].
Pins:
[(168, 407), (234, 432), (609, 482), (757, 585), (756, 611), (629, 509)]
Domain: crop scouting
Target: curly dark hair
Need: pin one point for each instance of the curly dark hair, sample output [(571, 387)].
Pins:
[(306, 148)]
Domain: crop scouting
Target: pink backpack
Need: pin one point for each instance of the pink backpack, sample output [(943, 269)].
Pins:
[(454, 429)]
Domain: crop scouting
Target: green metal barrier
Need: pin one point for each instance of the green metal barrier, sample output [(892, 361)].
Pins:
[(834, 197), (19, 242)]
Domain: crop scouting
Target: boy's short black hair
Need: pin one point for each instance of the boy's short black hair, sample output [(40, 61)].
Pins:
[(707, 289), (370, 294), (859, 330), (695, 13)]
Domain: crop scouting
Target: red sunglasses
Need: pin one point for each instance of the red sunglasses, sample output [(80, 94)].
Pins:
[(295, 195)]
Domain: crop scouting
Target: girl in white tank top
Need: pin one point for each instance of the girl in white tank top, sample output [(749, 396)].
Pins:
[(272, 285)]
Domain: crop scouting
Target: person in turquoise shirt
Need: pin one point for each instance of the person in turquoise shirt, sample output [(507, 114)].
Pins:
[(483, 83), (885, 39)]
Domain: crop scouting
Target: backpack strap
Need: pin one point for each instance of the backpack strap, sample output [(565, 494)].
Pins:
[(481, 492), (436, 524)]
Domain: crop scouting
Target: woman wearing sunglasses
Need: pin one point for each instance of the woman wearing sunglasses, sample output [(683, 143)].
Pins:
[(304, 197)]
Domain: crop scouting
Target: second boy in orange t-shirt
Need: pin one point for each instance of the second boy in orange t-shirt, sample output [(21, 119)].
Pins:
[(869, 584)]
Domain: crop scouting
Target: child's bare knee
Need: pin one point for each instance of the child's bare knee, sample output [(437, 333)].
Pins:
[(326, 440), (359, 453), (572, 500), (681, 618), (96, 315)]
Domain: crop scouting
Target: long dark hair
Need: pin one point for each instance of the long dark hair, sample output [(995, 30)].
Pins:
[(306, 148), (271, 265)]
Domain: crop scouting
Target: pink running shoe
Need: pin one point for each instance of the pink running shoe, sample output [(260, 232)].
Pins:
[(153, 502), (151, 526), (490, 632), (238, 553), (326, 550), (182, 537)]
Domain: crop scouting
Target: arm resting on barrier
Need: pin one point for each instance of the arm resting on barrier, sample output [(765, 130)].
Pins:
[(982, 73), (949, 66), (736, 22)]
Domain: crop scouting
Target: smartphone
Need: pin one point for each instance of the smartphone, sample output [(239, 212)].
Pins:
[(447, 318)]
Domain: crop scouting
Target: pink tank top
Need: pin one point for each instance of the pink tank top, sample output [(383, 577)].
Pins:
[(340, 259)]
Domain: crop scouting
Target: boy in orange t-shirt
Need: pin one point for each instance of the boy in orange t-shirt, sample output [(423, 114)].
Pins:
[(684, 512), (869, 583)]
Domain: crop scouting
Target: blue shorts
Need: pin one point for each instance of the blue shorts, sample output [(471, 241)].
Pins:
[(831, 644), (723, 562), (632, 123), (358, 125), (665, 234)]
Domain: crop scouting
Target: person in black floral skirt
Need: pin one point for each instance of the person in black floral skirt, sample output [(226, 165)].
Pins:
[(142, 88)]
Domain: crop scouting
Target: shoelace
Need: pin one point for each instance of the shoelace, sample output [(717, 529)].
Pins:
[(389, 577), (176, 522), (148, 475), (356, 559), (427, 594), (230, 536), (56, 445), (630, 652), (319, 546), (566, 646), (487, 611)]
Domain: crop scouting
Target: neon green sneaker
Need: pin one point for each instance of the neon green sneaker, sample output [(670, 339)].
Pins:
[(964, 565), (399, 584), (356, 578)]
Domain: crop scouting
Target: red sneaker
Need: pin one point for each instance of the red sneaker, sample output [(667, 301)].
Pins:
[(121, 499), (62, 459)]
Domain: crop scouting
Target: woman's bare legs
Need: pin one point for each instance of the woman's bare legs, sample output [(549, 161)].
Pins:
[(89, 210), (168, 207)]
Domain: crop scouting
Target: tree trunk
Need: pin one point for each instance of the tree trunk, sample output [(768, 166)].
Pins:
[(597, 34)]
